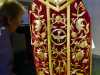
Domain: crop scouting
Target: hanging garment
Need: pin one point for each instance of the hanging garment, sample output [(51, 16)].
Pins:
[(60, 37)]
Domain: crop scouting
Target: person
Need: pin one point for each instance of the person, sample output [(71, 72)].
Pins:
[(10, 18)]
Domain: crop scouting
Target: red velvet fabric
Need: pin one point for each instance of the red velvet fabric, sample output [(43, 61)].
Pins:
[(80, 38)]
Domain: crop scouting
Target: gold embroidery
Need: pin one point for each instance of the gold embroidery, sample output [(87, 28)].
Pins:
[(56, 8)]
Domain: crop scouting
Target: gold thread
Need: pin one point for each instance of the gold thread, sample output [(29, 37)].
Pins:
[(91, 62), (91, 56), (47, 4), (56, 8), (65, 5), (49, 39), (90, 51), (68, 40)]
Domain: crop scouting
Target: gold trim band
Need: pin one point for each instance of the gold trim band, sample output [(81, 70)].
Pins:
[(49, 39), (68, 40), (56, 8)]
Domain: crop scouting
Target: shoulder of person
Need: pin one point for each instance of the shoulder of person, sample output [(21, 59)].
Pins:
[(2, 28)]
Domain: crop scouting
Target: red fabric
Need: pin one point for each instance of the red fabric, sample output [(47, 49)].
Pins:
[(80, 39)]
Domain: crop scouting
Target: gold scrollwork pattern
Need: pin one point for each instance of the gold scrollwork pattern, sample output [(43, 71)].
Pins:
[(60, 37)]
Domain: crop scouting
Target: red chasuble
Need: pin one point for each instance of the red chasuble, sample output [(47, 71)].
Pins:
[(60, 37)]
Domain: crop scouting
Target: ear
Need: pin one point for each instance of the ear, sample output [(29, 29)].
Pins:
[(11, 27), (10, 21)]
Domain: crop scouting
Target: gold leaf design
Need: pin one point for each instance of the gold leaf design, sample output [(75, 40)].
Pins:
[(74, 71), (43, 35), (79, 24), (41, 55), (79, 74), (79, 56), (41, 73), (57, 69), (58, 18), (73, 34), (57, 2), (83, 44), (33, 7), (36, 44)]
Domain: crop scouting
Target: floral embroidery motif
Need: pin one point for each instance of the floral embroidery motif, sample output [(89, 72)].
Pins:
[(80, 38)]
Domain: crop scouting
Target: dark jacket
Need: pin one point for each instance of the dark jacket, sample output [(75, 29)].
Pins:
[(5, 52)]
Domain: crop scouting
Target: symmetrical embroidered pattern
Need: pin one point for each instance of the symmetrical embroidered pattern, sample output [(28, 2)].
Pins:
[(60, 37)]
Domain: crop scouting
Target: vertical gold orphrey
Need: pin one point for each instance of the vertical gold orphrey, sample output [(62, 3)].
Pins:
[(49, 38), (91, 55), (68, 39)]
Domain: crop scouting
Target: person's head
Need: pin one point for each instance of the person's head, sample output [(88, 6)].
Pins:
[(11, 12)]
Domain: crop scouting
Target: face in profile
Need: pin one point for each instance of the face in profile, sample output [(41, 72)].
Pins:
[(13, 12), (14, 23)]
